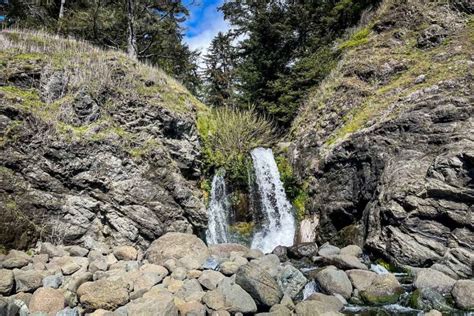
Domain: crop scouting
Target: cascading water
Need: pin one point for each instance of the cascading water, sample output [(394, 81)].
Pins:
[(278, 227), (217, 212)]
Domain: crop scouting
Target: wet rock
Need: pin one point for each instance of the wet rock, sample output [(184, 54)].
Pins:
[(384, 289), (177, 246), (361, 279), (303, 250), (209, 279), (435, 280), (27, 281), (463, 293), (291, 280), (236, 298), (103, 294), (125, 253), (335, 281), (211, 264), (7, 281), (47, 300), (259, 284), (68, 311), (427, 299), (281, 252)]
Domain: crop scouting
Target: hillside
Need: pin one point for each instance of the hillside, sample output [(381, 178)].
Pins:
[(386, 144), (95, 146)]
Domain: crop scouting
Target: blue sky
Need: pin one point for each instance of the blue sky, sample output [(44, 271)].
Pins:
[(203, 23)]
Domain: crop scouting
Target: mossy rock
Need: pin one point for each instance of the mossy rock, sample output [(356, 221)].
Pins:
[(427, 299), (385, 289)]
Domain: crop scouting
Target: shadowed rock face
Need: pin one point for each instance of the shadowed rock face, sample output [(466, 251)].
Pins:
[(402, 183), (122, 171)]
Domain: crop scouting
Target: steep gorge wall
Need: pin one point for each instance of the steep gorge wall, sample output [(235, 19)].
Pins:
[(93, 146), (386, 144)]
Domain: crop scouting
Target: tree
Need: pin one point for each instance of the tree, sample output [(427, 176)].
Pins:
[(219, 71)]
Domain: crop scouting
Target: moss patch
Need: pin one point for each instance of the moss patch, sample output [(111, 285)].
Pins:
[(359, 38)]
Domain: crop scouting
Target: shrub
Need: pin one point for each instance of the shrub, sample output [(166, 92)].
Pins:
[(228, 135)]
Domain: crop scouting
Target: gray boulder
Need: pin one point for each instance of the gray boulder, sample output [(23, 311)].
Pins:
[(291, 280), (463, 293), (435, 280), (209, 279), (7, 281), (159, 304), (236, 299), (361, 279), (335, 281), (259, 284), (27, 281), (346, 262), (53, 281), (177, 246)]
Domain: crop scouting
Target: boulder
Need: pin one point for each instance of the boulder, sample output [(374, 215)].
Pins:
[(47, 300), (277, 310), (291, 280), (328, 250), (224, 250), (327, 299), (433, 312), (254, 254), (177, 246), (463, 293), (77, 251), (159, 304), (435, 280), (335, 281), (351, 250), (67, 264), (310, 308), (428, 299), (7, 281), (346, 262), (190, 291), (384, 289), (53, 281), (229, 267), (68, 311), (259, 284), (125, 253), (303, 250), (27, 281), (15, 260), (51, 250), (236, 299), (172, 284), (269, 263), (361, 279), (179, 273), (209, 279), (281, 252), (76, 280), (103, 294), (214, 300), (193, 308)]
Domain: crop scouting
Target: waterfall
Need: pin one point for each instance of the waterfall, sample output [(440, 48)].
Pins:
[(278, 227), (217, 212)]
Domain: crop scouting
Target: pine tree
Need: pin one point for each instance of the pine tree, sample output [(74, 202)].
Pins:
[(219, 71)]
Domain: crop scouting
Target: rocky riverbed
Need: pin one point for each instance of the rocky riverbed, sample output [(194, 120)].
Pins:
[(180, 275)]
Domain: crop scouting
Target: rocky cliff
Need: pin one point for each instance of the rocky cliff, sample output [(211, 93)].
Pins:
[(94, 146), (386, 143)]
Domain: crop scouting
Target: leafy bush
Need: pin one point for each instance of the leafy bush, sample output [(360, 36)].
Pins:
[(228, 135)]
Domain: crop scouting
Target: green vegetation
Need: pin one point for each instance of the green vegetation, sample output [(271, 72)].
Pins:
[(228, 135), (244, 229), (359, 38), (296, 192)]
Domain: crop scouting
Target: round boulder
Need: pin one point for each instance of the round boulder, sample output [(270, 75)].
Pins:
[(125, 253), (103, 294), (434, 280), (177, 246), (335, 281), (463, 293), (47, 300), (385, 289)]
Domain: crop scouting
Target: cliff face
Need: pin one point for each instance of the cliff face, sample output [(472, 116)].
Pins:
[(94, 146), (386, 144)]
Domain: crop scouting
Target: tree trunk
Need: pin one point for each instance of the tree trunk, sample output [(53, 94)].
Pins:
[(61, 14), (132, 40)]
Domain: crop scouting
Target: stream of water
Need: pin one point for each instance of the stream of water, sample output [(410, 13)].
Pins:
[(218, 213), (278, 226)]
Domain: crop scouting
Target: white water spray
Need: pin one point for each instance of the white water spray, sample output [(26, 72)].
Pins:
[(217, 212), (278, 227)]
